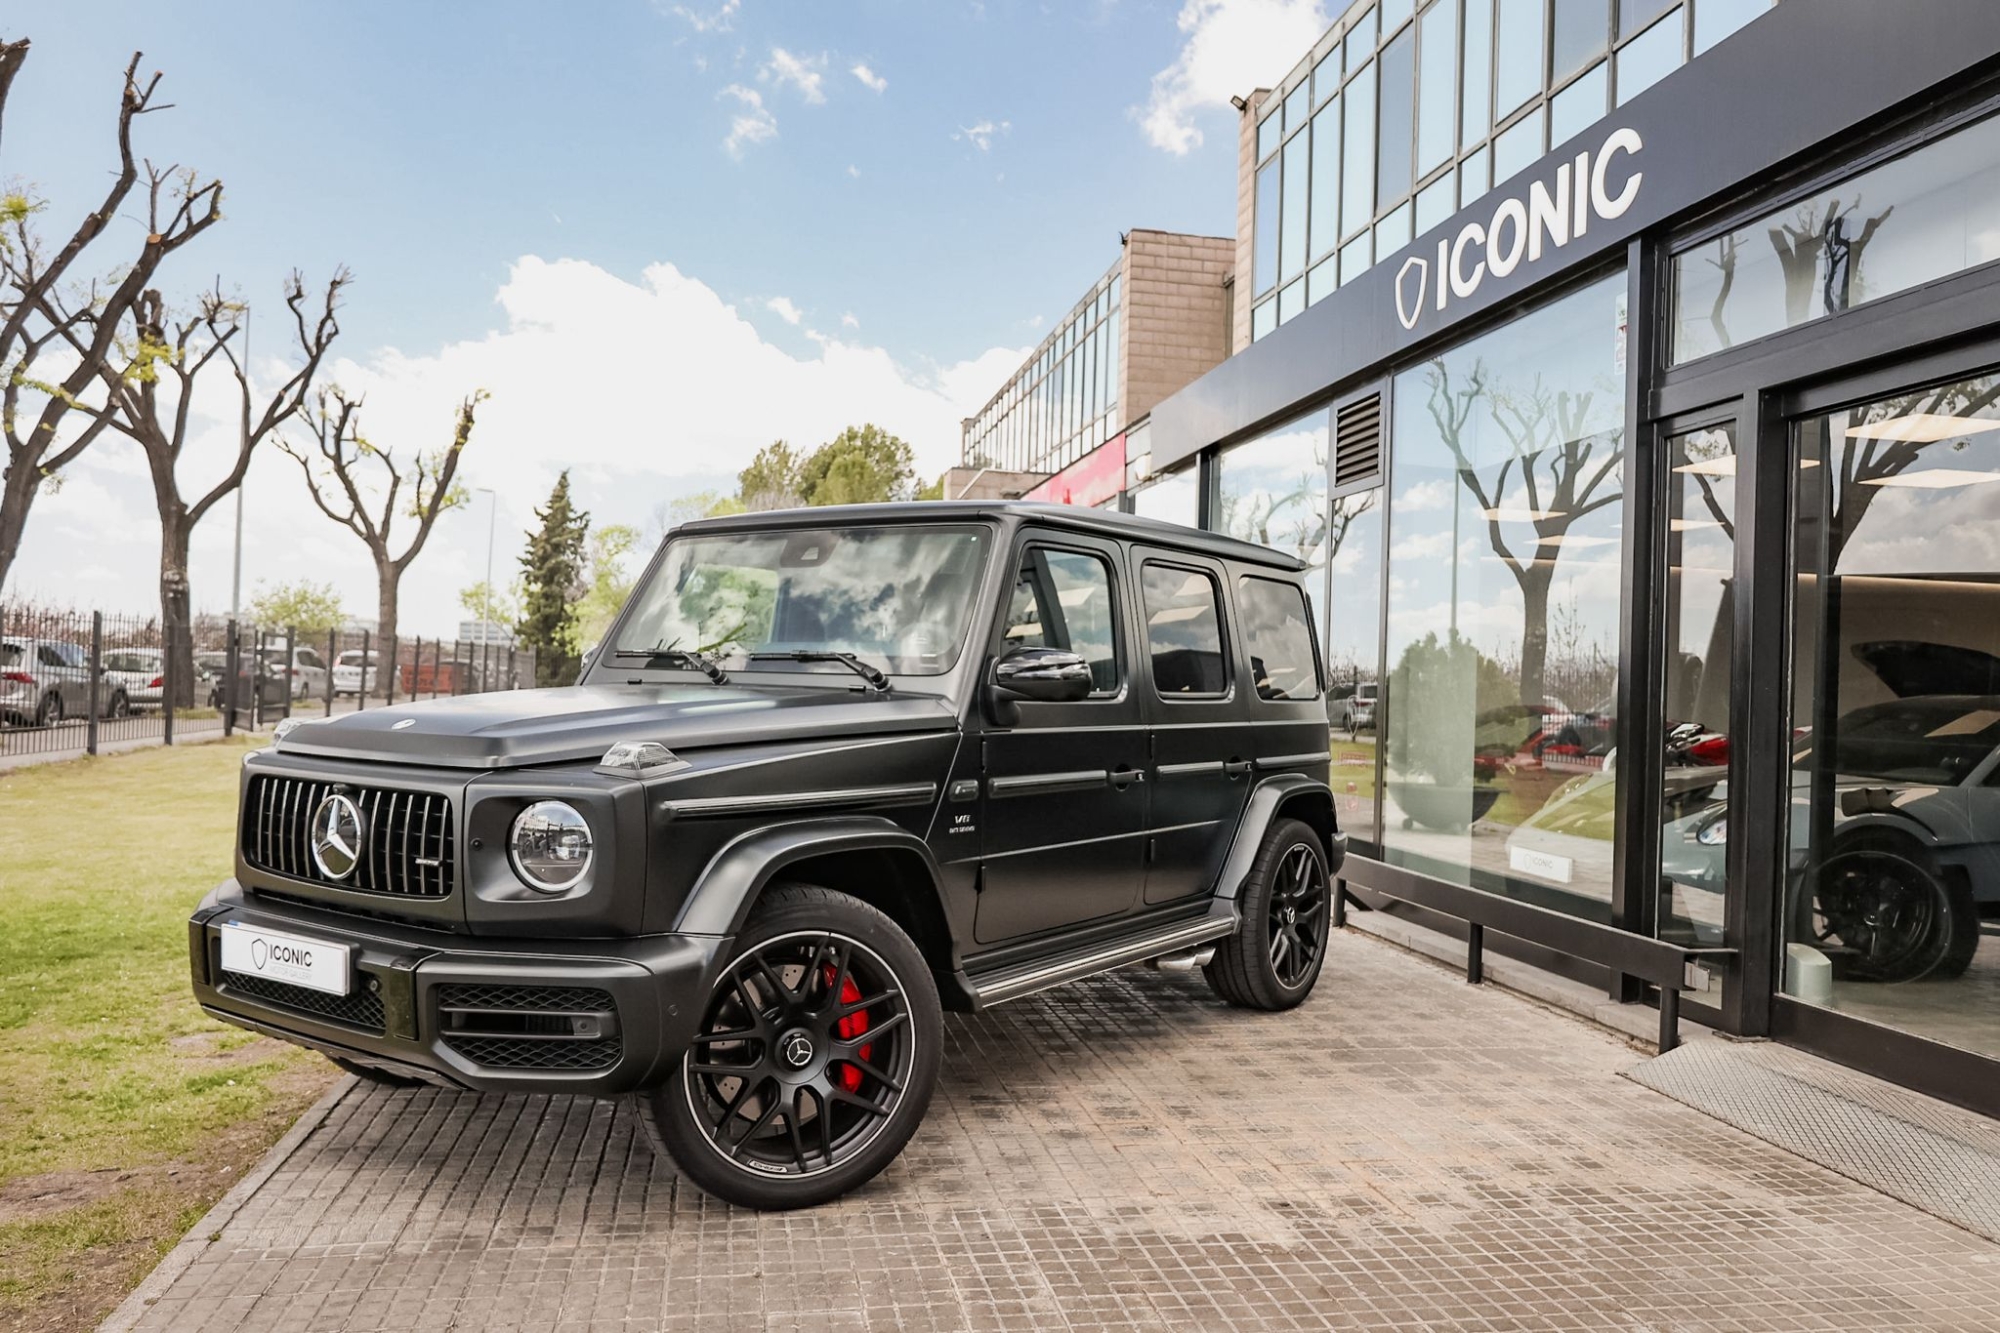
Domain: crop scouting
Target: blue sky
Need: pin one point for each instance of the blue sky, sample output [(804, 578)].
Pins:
[(691, 227)]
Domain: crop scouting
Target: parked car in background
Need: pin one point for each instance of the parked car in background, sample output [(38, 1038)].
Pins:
[(140, 673), (354, 672), (1357, 710), (306, 672), (43, 681), (213, 671)]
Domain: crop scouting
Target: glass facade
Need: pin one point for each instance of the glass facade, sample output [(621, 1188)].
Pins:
[(1435, 107), (1504, 601), (1272, 491), (1064, 402)]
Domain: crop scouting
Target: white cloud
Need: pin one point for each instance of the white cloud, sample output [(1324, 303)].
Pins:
[(1231, 47), (782, 307), (854, 171), (753, 124), (804, 73), (848, 321), (980, 136), (719, 19), (869, 78)]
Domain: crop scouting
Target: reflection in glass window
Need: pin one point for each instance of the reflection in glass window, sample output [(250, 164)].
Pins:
[(1476, 73), (1717, 19), (1297, 103), (1322, 279), (1518, 72), (1279, 637), (1360, 41), (1579, 106), (1354, 258), (1518, 146), (1325, 219), (1921, 217), (1292, 301), (1504, 600), (1353, 620), (1184, 631), (1392, 233), (1264, 318), (1636, 14), (1397, 67), (1357, 190), (1649, 57), (1472, 178), (1326, 76), (1272, 490), (1699, 573), (1270, 133), (1393, 13), (1894, 834), (1434, 203), (1437, 100), (1582, 28), (1062, 599), (1292, 227), (1265, 247), (1171, 498)]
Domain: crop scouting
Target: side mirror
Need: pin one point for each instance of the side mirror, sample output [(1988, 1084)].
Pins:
[(1041, 675)]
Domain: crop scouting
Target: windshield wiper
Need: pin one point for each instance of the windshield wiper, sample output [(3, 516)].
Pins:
[(876, 680), (699, 661)]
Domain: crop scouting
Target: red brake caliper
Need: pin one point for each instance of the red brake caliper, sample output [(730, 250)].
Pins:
[(848, 1028)]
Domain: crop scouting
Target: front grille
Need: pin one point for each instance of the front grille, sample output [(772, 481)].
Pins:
[(530, 1027), (410, 842), (363, 1009)]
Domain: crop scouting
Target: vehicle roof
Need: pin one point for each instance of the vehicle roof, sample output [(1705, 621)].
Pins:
[(1098, 522)]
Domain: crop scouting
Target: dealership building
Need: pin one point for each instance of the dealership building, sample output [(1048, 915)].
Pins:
[(1629, 373)]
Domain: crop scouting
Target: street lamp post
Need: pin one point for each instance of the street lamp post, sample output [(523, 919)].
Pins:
[(492, 518)]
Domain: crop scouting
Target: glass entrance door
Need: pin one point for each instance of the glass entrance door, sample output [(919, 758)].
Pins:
[(1891, 908)]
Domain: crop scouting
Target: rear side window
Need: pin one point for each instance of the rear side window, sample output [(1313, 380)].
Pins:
[(1278, 630), (1184, 631), (10, 654), (1062, 599)]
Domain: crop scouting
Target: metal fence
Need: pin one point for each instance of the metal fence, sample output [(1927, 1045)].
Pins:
[(82, 682)]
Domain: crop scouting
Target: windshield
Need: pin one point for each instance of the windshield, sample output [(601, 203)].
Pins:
[(1935, 740), (896, 597)]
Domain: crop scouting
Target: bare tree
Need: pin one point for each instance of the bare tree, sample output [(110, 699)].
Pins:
[(1563, 475), (162, 350), (56, 332), (420, 489)]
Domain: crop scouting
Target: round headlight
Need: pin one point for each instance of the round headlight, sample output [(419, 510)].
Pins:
[(550, 846)]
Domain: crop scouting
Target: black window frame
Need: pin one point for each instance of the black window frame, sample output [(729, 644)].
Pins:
[(1243, 581), (1224, 647), (1033, 548)]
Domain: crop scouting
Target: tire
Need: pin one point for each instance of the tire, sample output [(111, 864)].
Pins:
[(1889, 913), (793, 988), (49, 712), (380, 1077), (1273, 959), (121, 706)]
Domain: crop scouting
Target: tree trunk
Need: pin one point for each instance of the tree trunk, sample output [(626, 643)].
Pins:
[(388, 577), (1535, 634), (174, 602), (16, 495)]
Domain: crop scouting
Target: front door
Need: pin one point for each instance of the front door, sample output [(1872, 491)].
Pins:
[(1064, 793)]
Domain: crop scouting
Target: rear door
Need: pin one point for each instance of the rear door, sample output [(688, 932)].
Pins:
[(1201, 750), (1063, 806)]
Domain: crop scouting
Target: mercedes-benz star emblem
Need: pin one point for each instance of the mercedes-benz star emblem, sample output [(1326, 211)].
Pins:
[(797, 1050), (336, 836)]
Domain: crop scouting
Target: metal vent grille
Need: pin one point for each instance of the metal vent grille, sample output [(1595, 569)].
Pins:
[(526, 1053), (535, 999), (409, 836), (1357, 441), (363, 1009), (530, 1027)]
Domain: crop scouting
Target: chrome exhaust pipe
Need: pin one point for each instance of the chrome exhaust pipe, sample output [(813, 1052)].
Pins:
[(1183, 962)]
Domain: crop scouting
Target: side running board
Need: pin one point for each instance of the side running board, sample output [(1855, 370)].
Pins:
[(1026, 978)]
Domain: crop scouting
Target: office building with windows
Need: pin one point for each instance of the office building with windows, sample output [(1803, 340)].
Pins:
[(1062, 426), (1631, 370)]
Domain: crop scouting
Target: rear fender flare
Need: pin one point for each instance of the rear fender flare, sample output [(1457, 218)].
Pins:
[(1266, 805), (728, 889)]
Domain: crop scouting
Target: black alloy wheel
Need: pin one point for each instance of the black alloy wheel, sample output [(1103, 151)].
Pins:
[(1273, 959), (50, 713), (814, 1060), (1888, 915), (121, 705)]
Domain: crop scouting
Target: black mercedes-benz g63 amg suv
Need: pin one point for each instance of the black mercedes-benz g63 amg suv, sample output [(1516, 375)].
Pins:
[(830, 772)]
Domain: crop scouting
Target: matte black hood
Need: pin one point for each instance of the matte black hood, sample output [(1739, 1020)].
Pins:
[(512, 728)]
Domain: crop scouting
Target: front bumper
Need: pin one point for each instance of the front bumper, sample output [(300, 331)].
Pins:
[(590, 1017)]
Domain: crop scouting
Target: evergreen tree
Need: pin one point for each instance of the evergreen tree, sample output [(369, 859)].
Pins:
[(553, 580)]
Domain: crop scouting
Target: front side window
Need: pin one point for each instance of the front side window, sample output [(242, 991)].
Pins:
[(897, 597), (1062, 599), (1278, 631), (1184, 632)]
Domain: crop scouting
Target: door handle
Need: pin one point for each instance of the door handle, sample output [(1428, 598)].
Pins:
[(1235, 768), (1122, 778)]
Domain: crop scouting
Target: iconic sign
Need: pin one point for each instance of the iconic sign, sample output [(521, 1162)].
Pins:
[(1551, 216)]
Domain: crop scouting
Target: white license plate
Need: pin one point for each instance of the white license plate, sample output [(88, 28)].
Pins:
[(292, 959)]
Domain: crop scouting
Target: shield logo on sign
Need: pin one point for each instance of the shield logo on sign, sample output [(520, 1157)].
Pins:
[(1413, 282)]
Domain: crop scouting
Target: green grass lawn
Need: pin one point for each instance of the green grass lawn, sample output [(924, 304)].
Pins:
[(124, 1111)]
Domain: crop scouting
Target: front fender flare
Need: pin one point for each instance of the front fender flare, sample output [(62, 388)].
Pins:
[(728, 888), (1262, 808)]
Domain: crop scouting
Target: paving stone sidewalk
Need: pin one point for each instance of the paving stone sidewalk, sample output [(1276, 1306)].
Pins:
[(1405, 1151)]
